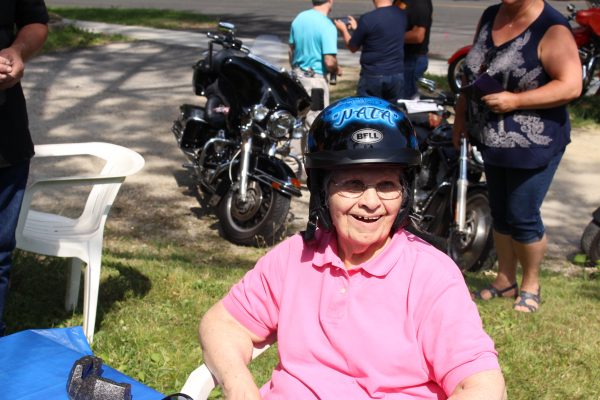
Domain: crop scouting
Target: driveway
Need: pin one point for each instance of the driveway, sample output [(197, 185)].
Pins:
[(129, 93)]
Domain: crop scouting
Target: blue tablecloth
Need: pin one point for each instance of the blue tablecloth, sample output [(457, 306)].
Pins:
[(35, 364)]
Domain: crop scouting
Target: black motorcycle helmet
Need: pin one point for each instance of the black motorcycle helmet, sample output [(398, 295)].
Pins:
[(355, 131)]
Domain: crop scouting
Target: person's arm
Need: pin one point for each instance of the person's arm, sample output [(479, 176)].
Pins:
[(416, 35), (331, 64), (227, 349), (29, 40), (291, 54), (459, 126), (560, 58), (341, 26), (485, 385)]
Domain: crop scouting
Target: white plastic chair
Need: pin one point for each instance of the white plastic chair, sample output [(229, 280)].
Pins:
[(201, 381), (79, 238)]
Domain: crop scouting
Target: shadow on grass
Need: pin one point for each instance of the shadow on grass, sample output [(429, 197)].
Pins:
[(38, 287)]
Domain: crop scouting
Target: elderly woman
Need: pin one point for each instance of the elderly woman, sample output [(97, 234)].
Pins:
[(525, 65), (361, 309)]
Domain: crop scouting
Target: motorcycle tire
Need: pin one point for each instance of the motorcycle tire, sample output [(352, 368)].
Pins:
[(590, 241), (474, 251), (259, 221), (455, 74)]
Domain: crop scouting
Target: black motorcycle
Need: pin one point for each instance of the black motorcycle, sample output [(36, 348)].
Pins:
[(451, 205), (237, 142)]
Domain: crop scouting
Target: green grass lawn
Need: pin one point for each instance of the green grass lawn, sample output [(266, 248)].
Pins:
[(153, 293)]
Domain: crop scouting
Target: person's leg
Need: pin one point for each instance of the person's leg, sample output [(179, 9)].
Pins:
[(369, 86), (393, 88), (13, 180), (421, 66), (507, 260), (410, 78), (529, 189)]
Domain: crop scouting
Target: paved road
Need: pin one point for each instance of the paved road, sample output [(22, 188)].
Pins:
[(453, 26)]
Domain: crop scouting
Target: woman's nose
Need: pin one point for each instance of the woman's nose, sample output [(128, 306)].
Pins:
[(370, 198)]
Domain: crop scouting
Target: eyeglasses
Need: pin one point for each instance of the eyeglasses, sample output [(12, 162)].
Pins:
[(354, 188)]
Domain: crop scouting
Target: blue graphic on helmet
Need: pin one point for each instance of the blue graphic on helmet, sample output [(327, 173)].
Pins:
[(367, 110)]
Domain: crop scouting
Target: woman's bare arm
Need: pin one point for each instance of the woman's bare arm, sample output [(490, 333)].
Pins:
[(485, 385), (227, 349), (560, 58)]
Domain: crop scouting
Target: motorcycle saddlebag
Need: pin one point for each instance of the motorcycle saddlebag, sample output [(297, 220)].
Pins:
[(192, 127)]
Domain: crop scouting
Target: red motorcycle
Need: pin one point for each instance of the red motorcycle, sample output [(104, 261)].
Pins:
[(587, 37)]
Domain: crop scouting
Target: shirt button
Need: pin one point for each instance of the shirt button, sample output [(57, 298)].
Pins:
[(343, 290)]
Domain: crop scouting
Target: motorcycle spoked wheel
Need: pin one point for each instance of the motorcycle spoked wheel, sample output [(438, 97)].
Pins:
[(258, 221), (590, 241), (474, 250), (455, 74)]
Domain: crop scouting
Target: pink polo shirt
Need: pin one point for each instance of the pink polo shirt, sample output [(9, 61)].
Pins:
[(402, 326)]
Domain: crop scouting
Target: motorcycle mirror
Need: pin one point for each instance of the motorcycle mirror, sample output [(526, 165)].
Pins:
[(226, 27), (317, 99)]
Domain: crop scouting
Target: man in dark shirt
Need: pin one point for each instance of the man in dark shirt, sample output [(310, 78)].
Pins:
[(379, 34), (23, 31), (416, 43)]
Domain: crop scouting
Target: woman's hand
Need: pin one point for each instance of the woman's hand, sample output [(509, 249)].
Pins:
[(502, 102)]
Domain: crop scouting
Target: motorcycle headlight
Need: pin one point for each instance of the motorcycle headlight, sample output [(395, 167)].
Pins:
[(280, 124), (259, 112)]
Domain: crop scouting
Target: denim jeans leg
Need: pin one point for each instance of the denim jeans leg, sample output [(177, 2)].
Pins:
[(393, 88), (421, 66), (13, 181), (410, 78), (369, 86)]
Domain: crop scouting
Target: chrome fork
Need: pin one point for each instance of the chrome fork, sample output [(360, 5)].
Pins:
[(462, 184)]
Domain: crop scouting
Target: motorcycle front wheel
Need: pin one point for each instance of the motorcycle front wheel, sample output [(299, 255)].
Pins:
[(455, 74), (590, 241), (474, 250), (260, 220)]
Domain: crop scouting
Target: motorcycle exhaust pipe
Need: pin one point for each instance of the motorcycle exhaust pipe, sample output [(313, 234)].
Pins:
[(462, 185)]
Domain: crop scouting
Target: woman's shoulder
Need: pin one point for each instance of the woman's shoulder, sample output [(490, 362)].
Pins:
[(553, 16)]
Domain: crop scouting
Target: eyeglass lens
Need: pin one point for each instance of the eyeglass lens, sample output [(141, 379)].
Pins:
[(354, 188)]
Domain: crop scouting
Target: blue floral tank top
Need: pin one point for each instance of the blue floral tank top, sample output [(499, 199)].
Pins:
[(522, 138)]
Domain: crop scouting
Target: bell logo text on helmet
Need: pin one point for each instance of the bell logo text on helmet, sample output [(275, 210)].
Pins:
[(367, 136)]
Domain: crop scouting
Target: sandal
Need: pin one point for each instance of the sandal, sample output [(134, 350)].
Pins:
[(537, 298), (494, 292)]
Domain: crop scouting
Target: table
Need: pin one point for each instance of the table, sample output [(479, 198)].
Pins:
[(35, 364)]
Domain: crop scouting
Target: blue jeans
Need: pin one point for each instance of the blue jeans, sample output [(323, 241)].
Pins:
[(387, 87), (516, 196), (13, 181), (415, 66)]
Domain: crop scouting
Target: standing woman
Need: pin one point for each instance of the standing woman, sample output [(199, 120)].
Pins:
[(522, 128)]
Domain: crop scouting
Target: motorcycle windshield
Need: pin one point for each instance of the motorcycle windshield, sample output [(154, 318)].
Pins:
[(251, 79)]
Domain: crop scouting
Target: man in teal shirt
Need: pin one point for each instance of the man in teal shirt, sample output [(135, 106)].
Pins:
[(313, 51)]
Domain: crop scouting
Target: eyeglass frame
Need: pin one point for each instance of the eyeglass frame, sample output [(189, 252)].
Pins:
[(365, 187)]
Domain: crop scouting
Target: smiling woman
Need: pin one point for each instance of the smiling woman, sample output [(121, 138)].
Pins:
[(360, 308)]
